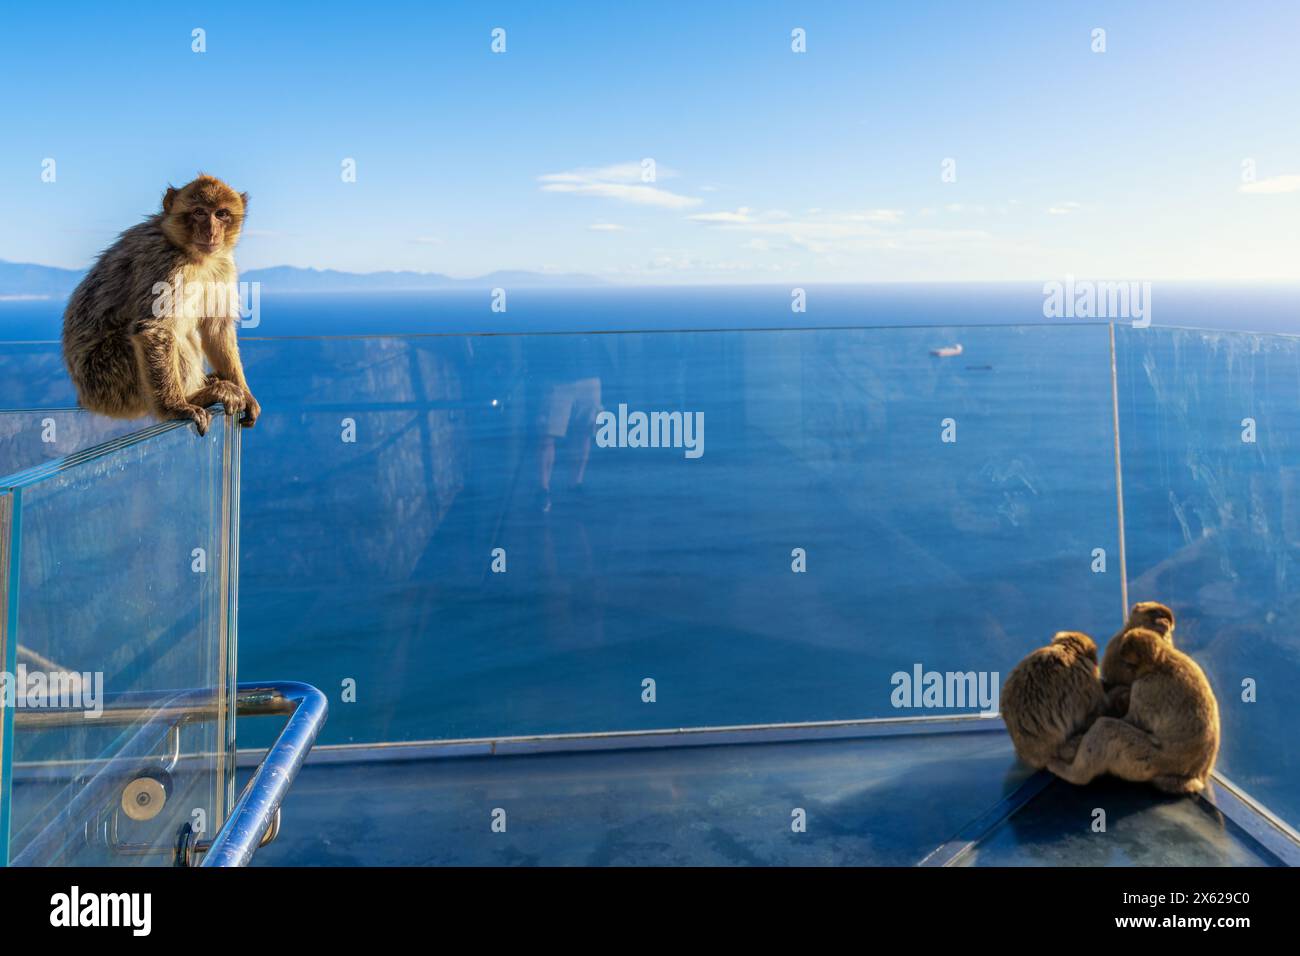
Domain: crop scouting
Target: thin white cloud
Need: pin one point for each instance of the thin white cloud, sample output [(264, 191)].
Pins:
[(823, 231), (606, 227), (426, 240), (740, 215), (745, 215), (1274, 184), (624, 182), (640, 195), (1063, 208), (633, 172), (874, 215)]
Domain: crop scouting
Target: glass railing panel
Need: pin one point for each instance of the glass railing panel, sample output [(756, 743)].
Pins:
[(120, 591), (1211, 453), (385, 473), (33, 436)]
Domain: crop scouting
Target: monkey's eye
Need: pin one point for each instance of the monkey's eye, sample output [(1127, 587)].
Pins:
[(223, 214), (200, 214)]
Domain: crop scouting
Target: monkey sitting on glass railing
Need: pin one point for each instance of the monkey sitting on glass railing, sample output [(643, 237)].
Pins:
[(156, 303)]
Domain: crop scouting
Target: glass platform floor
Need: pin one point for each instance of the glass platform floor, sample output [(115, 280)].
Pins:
[(931, 798)]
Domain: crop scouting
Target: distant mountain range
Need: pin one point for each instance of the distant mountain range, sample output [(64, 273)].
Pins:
[(24, 280), (294, 279)]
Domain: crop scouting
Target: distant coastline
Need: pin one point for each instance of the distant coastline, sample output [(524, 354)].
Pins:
[(26, 280)]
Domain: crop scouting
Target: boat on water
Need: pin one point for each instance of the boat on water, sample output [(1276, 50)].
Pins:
[(947, 351)]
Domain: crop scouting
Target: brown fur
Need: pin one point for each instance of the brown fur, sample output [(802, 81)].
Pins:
[(128, 360), (1170, 735), (1051, 697), (1116, 675)]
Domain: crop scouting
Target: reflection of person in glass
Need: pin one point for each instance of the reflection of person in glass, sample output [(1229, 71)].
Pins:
[(569, 410)]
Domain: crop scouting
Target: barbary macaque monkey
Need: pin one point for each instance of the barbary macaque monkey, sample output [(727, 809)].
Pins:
[(1170, 735), (157, 301), (1115, 676), (1051, 697)]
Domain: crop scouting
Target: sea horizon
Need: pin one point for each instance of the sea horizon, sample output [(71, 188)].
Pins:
[(1262, 307)]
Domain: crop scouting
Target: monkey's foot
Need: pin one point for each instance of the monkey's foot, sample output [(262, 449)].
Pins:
[(230, 395), (199, 415), (1179, 784), (1067, 773), (251, 410)]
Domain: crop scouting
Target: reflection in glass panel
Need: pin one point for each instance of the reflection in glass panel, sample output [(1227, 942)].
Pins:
[(1211, 452), (32, 375), (386, 473), (439, 534)]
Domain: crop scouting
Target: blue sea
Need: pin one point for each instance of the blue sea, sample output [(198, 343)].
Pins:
[(404, 449), (1259, 307)]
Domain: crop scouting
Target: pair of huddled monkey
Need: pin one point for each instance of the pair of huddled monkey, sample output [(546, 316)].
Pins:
[(1149, 716), (135, 341)]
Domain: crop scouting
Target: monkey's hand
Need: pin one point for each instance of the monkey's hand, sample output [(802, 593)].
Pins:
[(251, 410), (201, 417), (1068, 749), (1117, 700)]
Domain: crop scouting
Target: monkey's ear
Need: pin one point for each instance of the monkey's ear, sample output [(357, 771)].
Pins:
[(169, 197), (244, 198)]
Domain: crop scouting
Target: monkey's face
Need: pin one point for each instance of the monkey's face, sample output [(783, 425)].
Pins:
[(204, 217), (1140, 650), (208, 227), (1150, 616), (1130, 655)]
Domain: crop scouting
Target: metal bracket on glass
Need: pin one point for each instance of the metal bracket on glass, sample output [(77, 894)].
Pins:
[(189, 847), (134, 771), (142, 799)]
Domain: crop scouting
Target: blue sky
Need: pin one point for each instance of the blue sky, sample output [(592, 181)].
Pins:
[(771, 166)]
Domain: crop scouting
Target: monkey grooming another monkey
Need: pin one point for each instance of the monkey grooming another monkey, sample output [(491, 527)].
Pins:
[(1051, 697), (1170, 735), (1151, 615), (160, 299)]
